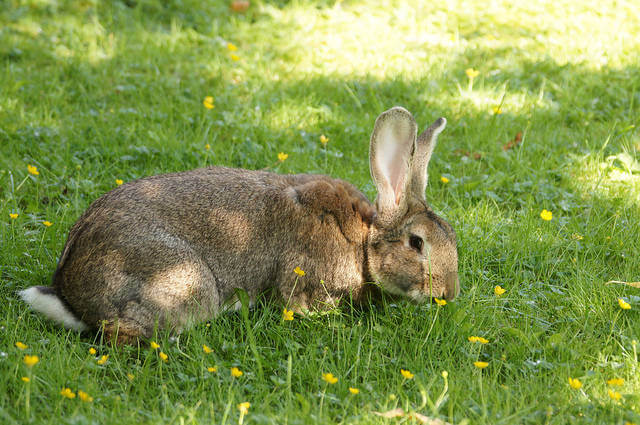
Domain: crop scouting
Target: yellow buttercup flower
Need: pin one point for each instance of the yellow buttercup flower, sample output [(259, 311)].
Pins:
[(21, 346), (25, 379), (499, 290), (329, 378), (615, 382), (154, 345), (207, 146), (32, 169), (282, 156), (480, 365), (232, 47), (208, 102), (439, 301), (479, 339), (235, 57), (235, 372), (13, 216), (66, 392), (354, 391), (444, 180), (84, 396), (206, 349), (212, 369), (614, 395), (92, 351), (623, 304), (299, 271), (30, 361), (47, 223), (163, 356), (119, 182), (546, 215), (130, 376), (406, 374), (287, 314), (324, 140), (103, 359), (497, 110), (575, 383), (244, 407), (472, 73)]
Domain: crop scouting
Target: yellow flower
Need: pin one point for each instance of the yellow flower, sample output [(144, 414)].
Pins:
[(92, 351), (103, 359), (84, 396), (478, 339), (577, 236), (206, 349), (235, 57), (119, 182), (66, 392), (47, 223), (130, 376), (163, 356), (32, 170), (445, 374), (30, 361), (472, 73), (207, 146), (406, 374), (546, 215), (324, 140), (25, 379), (499, 290), (497, 110), (480, 365), (444, 180), (282, 156), (299, 271), (329, 378), (439, 301), (212, 369), (154, 345), (13, 216), (623, 304), (287, 314), (615, 382), (235, 372), (21, 346), (614, 395), (354, 391), (208, 102), (575, 383), (232, 47), (244, 407)]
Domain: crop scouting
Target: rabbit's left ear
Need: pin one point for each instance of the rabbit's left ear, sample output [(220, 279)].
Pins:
[(392, 145), (424, 148)]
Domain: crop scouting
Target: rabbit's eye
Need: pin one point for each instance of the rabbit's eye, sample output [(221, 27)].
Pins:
[(416, 242)]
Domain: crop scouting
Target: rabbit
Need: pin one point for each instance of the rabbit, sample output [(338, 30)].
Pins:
[(167, 251)]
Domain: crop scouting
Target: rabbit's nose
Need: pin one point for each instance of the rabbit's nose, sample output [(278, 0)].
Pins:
[(452, 284)]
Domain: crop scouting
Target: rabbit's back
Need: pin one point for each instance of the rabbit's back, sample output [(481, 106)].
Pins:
[(174, 247)]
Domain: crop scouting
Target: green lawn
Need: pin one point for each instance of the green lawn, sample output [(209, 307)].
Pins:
[(94, 91)]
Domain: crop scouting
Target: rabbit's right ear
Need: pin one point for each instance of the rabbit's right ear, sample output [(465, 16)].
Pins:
[(392, 144)]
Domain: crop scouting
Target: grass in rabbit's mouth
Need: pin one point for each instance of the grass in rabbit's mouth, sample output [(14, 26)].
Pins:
[(543, 104)]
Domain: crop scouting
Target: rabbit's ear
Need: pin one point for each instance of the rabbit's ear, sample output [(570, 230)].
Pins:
[(424, 147), (392, 144)]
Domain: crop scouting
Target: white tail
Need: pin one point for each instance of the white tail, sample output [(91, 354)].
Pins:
[(48, 303)]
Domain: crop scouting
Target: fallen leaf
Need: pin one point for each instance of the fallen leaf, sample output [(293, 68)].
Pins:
[(395, 413), (399, 413), (632, 284), (513, 143), (239, 5)]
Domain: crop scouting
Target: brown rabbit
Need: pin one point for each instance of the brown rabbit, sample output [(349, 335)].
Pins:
[(171, 249)]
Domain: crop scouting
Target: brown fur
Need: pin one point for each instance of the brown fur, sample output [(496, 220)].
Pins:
[(170, 249)]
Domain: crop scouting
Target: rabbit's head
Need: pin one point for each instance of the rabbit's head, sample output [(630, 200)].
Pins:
[(411, 250)]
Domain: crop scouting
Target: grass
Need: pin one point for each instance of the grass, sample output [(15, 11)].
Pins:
[(97, 91)]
